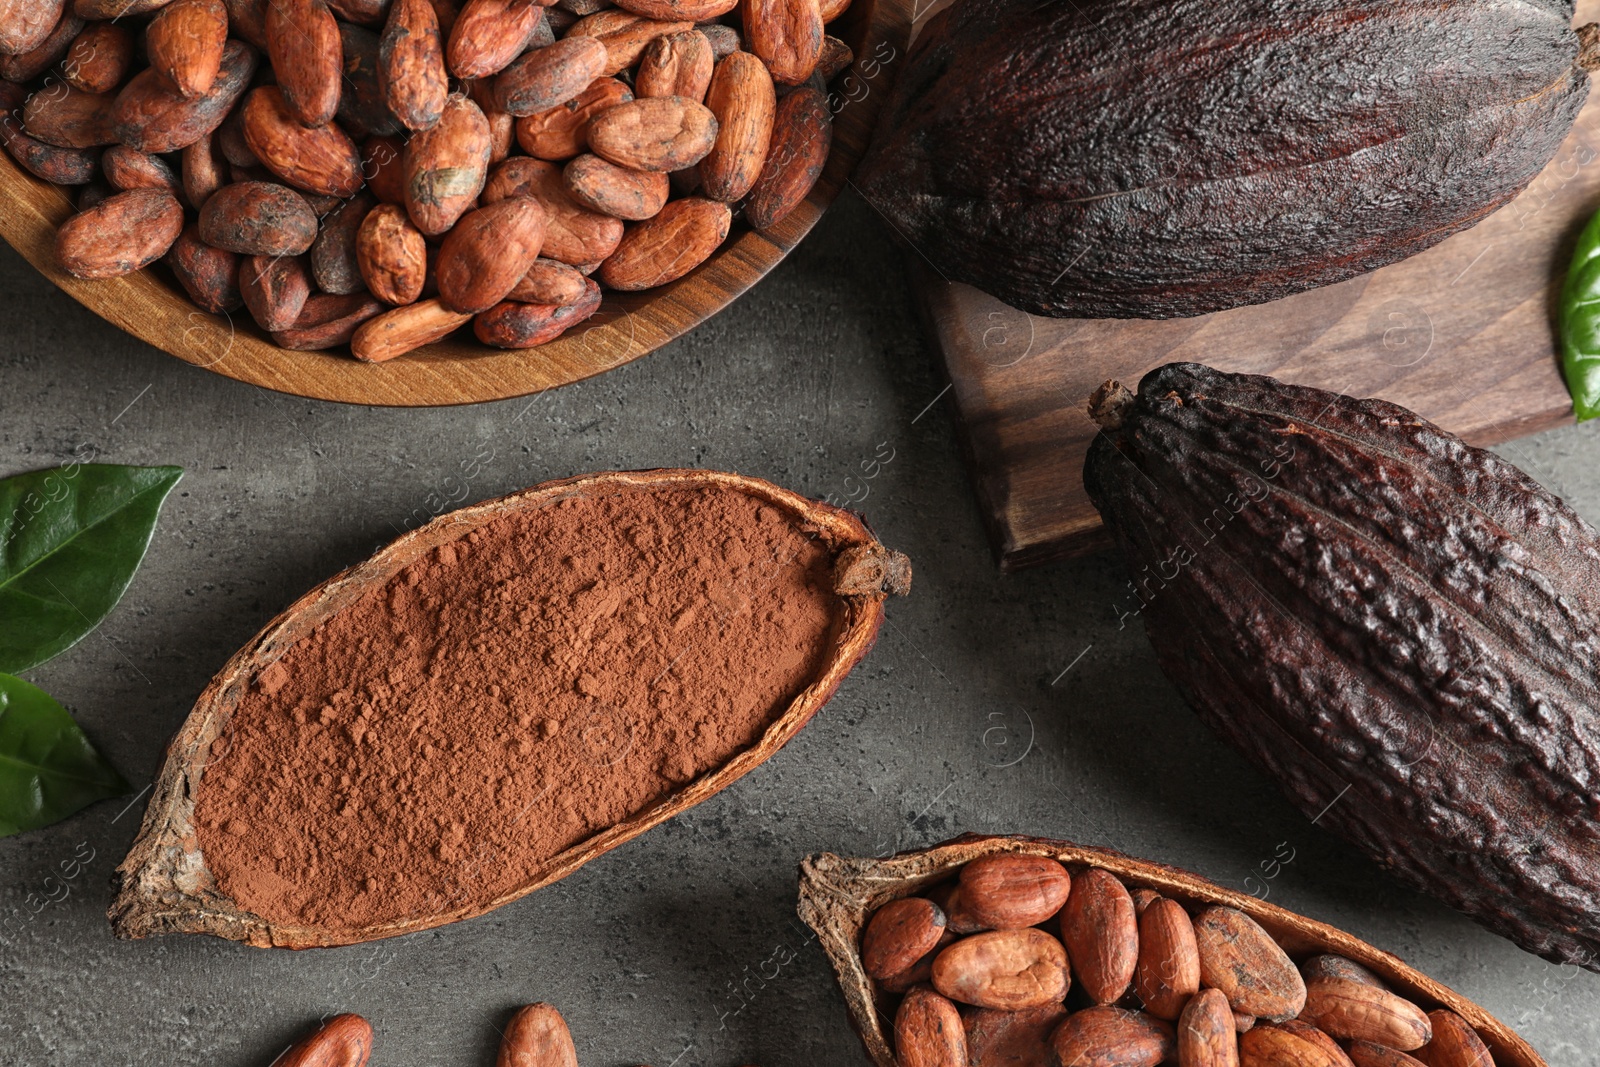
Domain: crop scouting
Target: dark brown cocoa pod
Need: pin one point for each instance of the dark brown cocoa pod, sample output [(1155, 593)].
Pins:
[(411, 67), (275, 289), (334, 263), (445, 166), (363, 107), (204, 171), (127, 168), (1278, 510), (26, 66), (1003, 160), (152, 118), (209, 275), (513, 325), (69, 118), (327, 322), (119, 235), (258, 219), (802, 132), (307, 56), (184, 44), (99, 57)]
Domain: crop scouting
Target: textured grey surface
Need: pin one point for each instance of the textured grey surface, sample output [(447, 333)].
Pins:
[(990, 704)]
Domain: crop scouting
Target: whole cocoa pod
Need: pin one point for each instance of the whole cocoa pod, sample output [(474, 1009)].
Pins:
[(1447, 718)]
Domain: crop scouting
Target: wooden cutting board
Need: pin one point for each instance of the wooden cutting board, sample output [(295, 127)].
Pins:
[(1463, 333)]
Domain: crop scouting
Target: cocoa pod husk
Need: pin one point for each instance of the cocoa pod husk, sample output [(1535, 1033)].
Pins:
[(209, 275), (786, 35), (489, 34), (128, 168), (99, 58), (563, 132), (573, 234), (624, 34), (342, 1041), (204, 171), (928, 1031), (363, 110), (404, 329), (184, 44), (256, 218), (334, 263), (676, 64), (802, 132), (411, 65), (549, 77), (665, 248), (321, 159), (152, 118), (537, 1036), (549, 281), (1240, 958), (383, 166), (514, 325), (26, 66), (392, 255), (620, 192), (327, 321), (745, 102), (1106, 1036), (307, 56), (1101, 932), (488, 252), (119, 235), (1206, 1033), (26, 24), (667, 133), (69, 118), (274, 289), (445, 166)]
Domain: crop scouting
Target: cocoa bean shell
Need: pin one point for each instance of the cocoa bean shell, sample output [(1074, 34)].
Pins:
[(563, 132), (1012, 1038), (666, 133), (1168, 971), (404, 329), (620, 192), (488, 35), (786, 35), (334, 262), (1106, 1036), (392, 255), (152, 118), (549, 281), (1005, 969), (127, 168), (411, 65), (745, 102), (1455, 1043), (548, 77), (26, 24), (675, 64), (342, 1041), (60, 166), (258, 219), (1206, 1033), (537, 1036), (928, 1031), (26, 66), (69, 118), (1101, 932), (901, 933), (573, 234), (487, 253), (624, 34), (119, 235)]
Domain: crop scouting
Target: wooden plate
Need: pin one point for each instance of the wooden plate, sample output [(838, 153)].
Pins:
[(459, 370), (837, 895)]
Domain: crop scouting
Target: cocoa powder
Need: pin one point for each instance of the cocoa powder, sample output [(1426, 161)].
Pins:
[(507, 696)]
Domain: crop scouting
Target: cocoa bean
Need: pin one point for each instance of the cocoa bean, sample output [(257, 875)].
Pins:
[(342, 1041), (1349, 1009), (69, 118), (537, 1036), (152, 118), (786, 35), (184, 44), (744, 101), (363, 110), (1455, 1043), (676, 64), (662, 133), (563, 132), (327, 321), (678, 10), (1005, 969), (1206, 1034), (275, 289), (802, 132), (334, 263), (383, 167), (548, 281), (620, 192), (411, 65), (548, 77), (319, 159), (119, 235), (489, 34), (624, 34), (209, 275), (1101, 932), (513, 325), (204, 171), (96, 10), (836, 57), (488, 252), (1113, 1037), (668, 246), (928, 1031), (1009, 890), (258, 219), (899, 934), (99, 57), (26, 66), (128, 168), (26, 24), (573, 234), (61, 166), (404, 329), (1240, 958), (445, 166), (392, 255), (1168, 973), (1012, 1038), (307, 56)]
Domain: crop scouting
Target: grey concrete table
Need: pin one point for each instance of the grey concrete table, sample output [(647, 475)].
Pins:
[(990, 704)]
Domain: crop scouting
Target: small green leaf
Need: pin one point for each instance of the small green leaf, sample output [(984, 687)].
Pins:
[(48, 769), (70, 540), (1580, 324)]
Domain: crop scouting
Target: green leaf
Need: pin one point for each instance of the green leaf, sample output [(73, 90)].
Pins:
[(70, 540), (1580, 324), (48, 769)]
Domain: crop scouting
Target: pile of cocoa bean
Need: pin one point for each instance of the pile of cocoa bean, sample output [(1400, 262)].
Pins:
[(1019, 962), (398, 168)]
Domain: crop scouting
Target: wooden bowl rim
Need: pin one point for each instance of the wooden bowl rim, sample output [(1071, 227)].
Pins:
[(456, 371), (837, 894), (164, 886)]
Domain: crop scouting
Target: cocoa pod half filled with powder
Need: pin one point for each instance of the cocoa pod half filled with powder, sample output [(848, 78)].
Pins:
[(497, 698)]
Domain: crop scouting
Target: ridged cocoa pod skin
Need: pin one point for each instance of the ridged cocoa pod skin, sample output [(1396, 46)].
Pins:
[(513, 325), (1462, 717), (1013, 151), (152, 118), (209, 275), (119, 235)]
